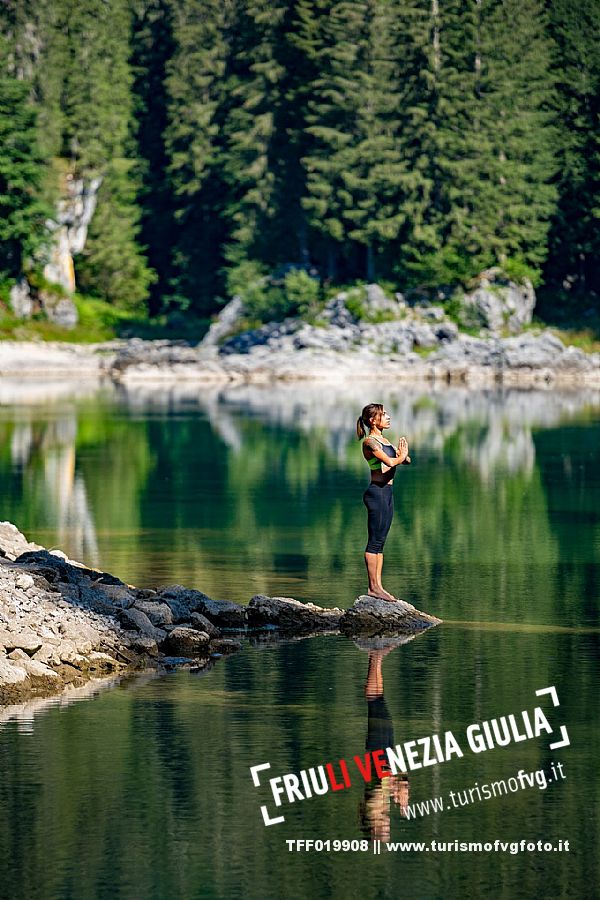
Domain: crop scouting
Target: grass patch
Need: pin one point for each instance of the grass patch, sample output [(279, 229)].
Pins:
[(100, 321)]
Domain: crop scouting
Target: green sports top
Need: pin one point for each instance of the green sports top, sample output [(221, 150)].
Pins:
[(374, 463)]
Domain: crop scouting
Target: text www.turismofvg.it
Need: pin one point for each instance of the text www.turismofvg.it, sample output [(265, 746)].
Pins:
[(520, 781)]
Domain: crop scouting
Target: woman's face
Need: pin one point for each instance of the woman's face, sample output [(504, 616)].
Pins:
[(384, 420)]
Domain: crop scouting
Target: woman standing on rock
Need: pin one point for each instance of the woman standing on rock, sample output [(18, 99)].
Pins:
[(382, 458)]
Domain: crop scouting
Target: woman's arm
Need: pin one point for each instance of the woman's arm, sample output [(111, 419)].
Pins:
[(376, 450)]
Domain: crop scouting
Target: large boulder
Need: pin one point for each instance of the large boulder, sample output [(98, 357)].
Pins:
[(291, 615), (19, 298), (372, 616), (181, 601), (224, 613), (498, 303), (190, 642)]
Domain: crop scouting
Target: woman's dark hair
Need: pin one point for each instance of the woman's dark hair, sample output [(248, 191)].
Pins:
[(370, 412)]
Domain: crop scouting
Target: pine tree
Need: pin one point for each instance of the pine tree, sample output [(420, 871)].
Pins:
[(254, 102), (22, 210), (196, 92), (111, 264), (575, 236), (152, 49), (362, 180), (487, 142)]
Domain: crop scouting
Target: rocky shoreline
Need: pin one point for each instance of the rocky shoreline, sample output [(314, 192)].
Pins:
[(526, 360), (62, 624)]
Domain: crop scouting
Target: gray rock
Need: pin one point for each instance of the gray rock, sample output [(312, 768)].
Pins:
[(39, 669), (183, 641), (141, 643), (224, 613), (336, 313), (10, 673), (160, 614), (26, 640), (141, 621), (60, 310), (497, 303), (371, 616), (221, 327), (181, 601), (20, 300), (203, 624), (291, 615)]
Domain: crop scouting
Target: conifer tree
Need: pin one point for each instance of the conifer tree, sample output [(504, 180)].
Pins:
[(152, 49), (488, 141), (196, 90), (22, 209), (255, 98), (574, 245)]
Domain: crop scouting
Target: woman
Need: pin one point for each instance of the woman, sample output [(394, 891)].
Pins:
[(382, 458)]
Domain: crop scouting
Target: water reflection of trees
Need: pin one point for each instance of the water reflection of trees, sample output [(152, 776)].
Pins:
[(243, 489)]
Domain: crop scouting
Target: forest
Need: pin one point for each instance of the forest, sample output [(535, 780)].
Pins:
[(413, 142)]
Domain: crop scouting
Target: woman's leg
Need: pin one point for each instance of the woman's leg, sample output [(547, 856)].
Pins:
[(387, 526), (377, 501), (371, 564)]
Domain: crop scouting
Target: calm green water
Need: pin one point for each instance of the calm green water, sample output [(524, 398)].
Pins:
[(143, 790)]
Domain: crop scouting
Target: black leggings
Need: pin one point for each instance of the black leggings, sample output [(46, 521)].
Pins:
[(379, 500)]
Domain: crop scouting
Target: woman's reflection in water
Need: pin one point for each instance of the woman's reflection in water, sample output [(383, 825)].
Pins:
[(375, 807)]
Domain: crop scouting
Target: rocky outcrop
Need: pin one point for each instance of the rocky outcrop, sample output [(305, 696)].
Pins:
[(62, 623), (370, 616), (291, 615), (498, 303), (73, 216)]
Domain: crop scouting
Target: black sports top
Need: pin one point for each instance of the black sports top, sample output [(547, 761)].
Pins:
[(374, 463)]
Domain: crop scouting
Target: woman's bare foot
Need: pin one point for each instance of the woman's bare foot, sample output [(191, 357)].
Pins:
[(382, 594)]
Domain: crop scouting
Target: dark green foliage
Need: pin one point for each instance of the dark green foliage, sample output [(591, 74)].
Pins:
[(575, 235), (22, 211), (152, 48), (111, 266), (415, 140)]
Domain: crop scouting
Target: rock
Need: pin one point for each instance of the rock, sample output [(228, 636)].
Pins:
[(141, 621), (13, 543), (181, 601), (291, 615), (141, 643), (271, 333), (117, 594), (60, 310), (224, 613), (371, 616), (336, 313), (24, 639), (160, 614), (203, 624), (73, 215), (11, 674), (182, 641), (498, 303), (48, 655), (377, 303), (221, 327), (19, 298), (99, 660), (39, 670)]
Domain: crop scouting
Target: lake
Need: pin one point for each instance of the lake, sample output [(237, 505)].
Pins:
[(142, 788)]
